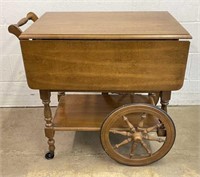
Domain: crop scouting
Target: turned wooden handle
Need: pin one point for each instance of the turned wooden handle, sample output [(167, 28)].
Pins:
[(14, 28)]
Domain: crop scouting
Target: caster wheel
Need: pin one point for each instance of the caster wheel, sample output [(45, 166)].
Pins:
[(49, 155), (130, 136)]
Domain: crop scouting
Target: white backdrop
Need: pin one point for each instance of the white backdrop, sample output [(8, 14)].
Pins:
[(13, 88)]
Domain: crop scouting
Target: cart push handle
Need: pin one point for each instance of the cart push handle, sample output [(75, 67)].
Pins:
[(14, 28)]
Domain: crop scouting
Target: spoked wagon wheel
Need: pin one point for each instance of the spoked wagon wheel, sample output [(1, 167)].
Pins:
[(129, 134)]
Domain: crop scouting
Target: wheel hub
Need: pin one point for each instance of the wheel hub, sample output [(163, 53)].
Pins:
[(137, 136)]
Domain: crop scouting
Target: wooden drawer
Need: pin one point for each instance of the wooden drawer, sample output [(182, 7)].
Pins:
[(105, 65)]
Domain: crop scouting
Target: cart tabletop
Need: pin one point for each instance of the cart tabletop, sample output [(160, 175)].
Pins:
[(106, 25)]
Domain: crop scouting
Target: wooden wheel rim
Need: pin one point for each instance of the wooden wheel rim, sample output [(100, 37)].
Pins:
[(133, 108)]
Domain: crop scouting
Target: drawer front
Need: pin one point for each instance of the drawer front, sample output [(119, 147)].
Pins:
[(105, 65)]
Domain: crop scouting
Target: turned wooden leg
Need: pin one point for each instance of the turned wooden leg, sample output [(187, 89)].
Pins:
[(49, 131), (104, 93), (60, 94), (154, 97), (165, 97)]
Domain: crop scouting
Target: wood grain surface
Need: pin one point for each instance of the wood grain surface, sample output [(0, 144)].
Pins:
[(106, 25), (105, 65)]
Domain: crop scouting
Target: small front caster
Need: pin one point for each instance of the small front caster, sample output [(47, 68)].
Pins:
[(49, 155)]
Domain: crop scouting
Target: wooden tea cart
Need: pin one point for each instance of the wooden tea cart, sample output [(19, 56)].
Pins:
[(131, 60)]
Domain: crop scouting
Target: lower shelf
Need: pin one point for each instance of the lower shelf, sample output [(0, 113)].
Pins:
[(87, 112)]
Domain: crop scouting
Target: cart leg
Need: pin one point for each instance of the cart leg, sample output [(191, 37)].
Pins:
[(60, 94), (49, 131), (154, 97), (104, 93), (165, 97)]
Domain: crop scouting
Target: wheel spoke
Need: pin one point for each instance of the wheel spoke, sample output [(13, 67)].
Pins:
[(147, 130), (152, 138), (146, 147), (124, 133), (143, 117), (129, 124), (126, 141), (133, 148)]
